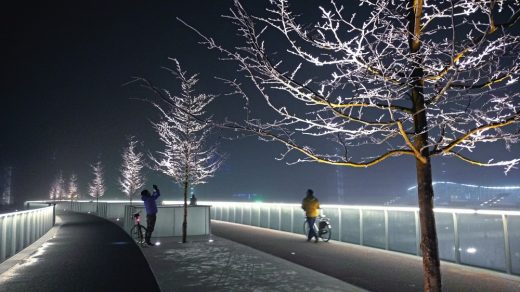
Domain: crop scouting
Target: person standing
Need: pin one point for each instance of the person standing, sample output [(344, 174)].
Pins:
[(310, 205), (193, 200), (151, 211)]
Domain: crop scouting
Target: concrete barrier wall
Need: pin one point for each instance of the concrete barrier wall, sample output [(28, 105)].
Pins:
[(19, 229)]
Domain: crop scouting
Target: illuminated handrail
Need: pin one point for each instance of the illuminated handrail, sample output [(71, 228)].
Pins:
[(361, 207), (19, 229), (393, 228), (387, 227)]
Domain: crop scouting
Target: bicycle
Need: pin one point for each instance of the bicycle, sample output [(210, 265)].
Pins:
[(323, 228), (138, 231)]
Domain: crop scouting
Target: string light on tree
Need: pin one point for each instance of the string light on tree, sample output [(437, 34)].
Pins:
[(131, 179)]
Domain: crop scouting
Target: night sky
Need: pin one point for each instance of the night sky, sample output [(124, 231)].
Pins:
[(64, 104)]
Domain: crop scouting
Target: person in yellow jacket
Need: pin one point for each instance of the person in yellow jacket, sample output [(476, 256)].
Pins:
[(310, 205)]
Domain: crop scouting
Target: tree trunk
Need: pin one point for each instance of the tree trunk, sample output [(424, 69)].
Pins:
[(429, 246), (97, 205), (185, 220)]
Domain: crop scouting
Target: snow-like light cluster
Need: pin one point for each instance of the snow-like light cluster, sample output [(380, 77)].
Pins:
[(73, 190), (131, 179), (351, 79), (184, 132), (96, 188), (57, 191)]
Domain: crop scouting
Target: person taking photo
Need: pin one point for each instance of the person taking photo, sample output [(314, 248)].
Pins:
[(151, 211)]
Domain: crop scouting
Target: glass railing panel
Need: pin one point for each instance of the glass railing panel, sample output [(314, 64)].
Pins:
[(514, 243), (482, 241), (401, 231), (374, 228), (445, 236), (286, 219), (350, 225)]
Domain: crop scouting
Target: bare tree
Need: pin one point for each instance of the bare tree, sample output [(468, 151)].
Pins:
[(57, 191), (131, 179), (186, 157), (97, 188), (73, 191), (399, 78)]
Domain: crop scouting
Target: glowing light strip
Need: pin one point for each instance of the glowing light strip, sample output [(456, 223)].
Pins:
[(473, 186), (457, 211), (23, 212), (498, 212), (368, 208), (83, 201), (325, 206)]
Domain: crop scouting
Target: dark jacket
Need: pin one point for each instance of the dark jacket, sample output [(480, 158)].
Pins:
[(149, 202)]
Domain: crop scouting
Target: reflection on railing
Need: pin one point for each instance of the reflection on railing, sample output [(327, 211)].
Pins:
[(20, 229), (483, 238)]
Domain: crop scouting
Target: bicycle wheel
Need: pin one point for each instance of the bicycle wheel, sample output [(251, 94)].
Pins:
[(325, 233)]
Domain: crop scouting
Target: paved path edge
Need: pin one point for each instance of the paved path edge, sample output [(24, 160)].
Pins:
[(29, 250)]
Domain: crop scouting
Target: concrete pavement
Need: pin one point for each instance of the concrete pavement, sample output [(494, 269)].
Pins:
[(364, 267), (86, 253), (222, 265)]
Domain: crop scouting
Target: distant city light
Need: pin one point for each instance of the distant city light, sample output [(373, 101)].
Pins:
[(471, 250), (210, 241), (157, 243), (472, 186)]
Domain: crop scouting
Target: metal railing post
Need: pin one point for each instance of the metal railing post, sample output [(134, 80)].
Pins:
[(3, 238), (360, 227), (259, 216), (227, 213), (14, 227), (279, 218), (456, 235), (292, 219), (53, 214), (209, 221), (417, 233), (506, 244), (242, 214), (21, 239), (386, 230), (269, 217), (250, 215), (339, 224)]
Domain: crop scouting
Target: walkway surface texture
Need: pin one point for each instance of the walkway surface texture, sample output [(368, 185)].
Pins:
[(85, 253), (367, 268), (223, 265)]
